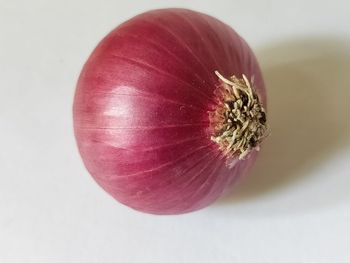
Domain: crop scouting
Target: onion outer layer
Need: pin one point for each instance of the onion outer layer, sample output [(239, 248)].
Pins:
[(142, 110)]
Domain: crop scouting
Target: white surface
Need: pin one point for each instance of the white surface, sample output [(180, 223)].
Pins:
[(294, 208)]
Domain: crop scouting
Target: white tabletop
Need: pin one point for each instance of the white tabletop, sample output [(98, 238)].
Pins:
[(295, 207)]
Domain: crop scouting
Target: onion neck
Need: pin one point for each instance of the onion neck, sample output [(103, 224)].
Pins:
[(239, 121)]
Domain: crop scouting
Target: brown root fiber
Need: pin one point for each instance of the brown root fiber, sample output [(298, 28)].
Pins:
[(239, 121)]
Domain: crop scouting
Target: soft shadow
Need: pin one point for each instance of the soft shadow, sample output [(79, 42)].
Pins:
[(308, 84)]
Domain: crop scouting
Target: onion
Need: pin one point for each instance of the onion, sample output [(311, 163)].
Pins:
[(169, 111)]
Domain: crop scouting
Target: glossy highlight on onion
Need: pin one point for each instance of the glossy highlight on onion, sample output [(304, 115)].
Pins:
[(164, 117)]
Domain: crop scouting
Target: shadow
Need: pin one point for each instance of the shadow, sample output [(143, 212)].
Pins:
[(308, 83)]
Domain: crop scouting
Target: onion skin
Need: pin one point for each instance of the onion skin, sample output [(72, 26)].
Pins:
[(141, 110)]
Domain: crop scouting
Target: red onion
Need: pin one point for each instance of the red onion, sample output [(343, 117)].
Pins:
[(169, 111)]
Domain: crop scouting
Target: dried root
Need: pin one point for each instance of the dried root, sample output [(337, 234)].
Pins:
[(239, 122)]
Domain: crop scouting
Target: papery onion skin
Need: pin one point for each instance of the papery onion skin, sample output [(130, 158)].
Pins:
[(141, 110)]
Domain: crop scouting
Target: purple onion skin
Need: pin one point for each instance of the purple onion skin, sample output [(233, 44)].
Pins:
[(141, 110)]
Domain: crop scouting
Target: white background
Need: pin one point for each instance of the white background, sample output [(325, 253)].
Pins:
[(294, 208)]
